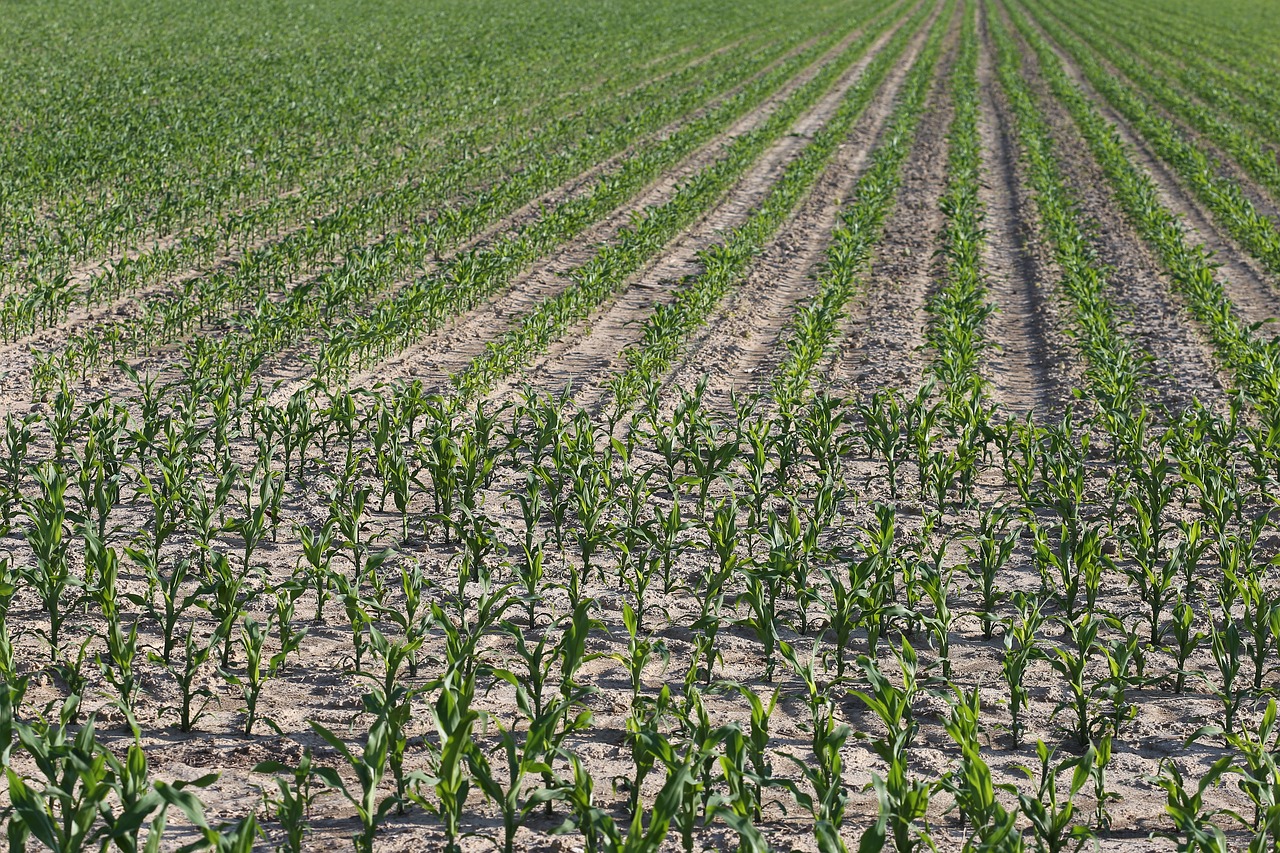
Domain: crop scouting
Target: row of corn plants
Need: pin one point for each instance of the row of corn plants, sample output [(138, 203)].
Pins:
[(1115, 364), (959, 309), (612, 266), (1251, 153), (823, 607), (727, 263), (363, 270), (241, 175), (422, 308), (496, 590), (1250, 358), (1221, 193)]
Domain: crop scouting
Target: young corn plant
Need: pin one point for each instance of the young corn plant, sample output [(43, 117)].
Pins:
[(229, 594), (1228, 649), (1257, 766), (761, 597), (1020, 649), (449, 777), (50, 574), (992, 827), (392, 700), (1072, 663), (825, 774), (1193, 822), (523, 757), (902, 800), (746, 763), (1186, 641), (318, 551), (122, 643), (369, 767), (1052, 821), (260, 666), (193, 696), (993, 545), (291, 804)]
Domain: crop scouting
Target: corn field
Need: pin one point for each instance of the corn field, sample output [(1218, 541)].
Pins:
[(838, 425)]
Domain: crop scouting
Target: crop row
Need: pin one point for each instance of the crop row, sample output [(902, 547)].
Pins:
[(804, 620), (368, 269), (813, 330), (1150, 70), (425, 305), (1253, 361), (959, 309), (727, 263), (211, 167), (1221, 193), (612, 266), (1115, 366)]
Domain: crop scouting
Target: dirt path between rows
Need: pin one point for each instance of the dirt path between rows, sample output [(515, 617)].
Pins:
[(885, 327), (1255, 297), (1028, 359), (588, 360), (1183, 368)]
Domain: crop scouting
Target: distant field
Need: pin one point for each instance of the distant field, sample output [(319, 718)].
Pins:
[(827, 425)]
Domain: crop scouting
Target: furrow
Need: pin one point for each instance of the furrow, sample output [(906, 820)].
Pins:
[(1029, 362), (465, 337), (886, 328), (1183, 369)]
